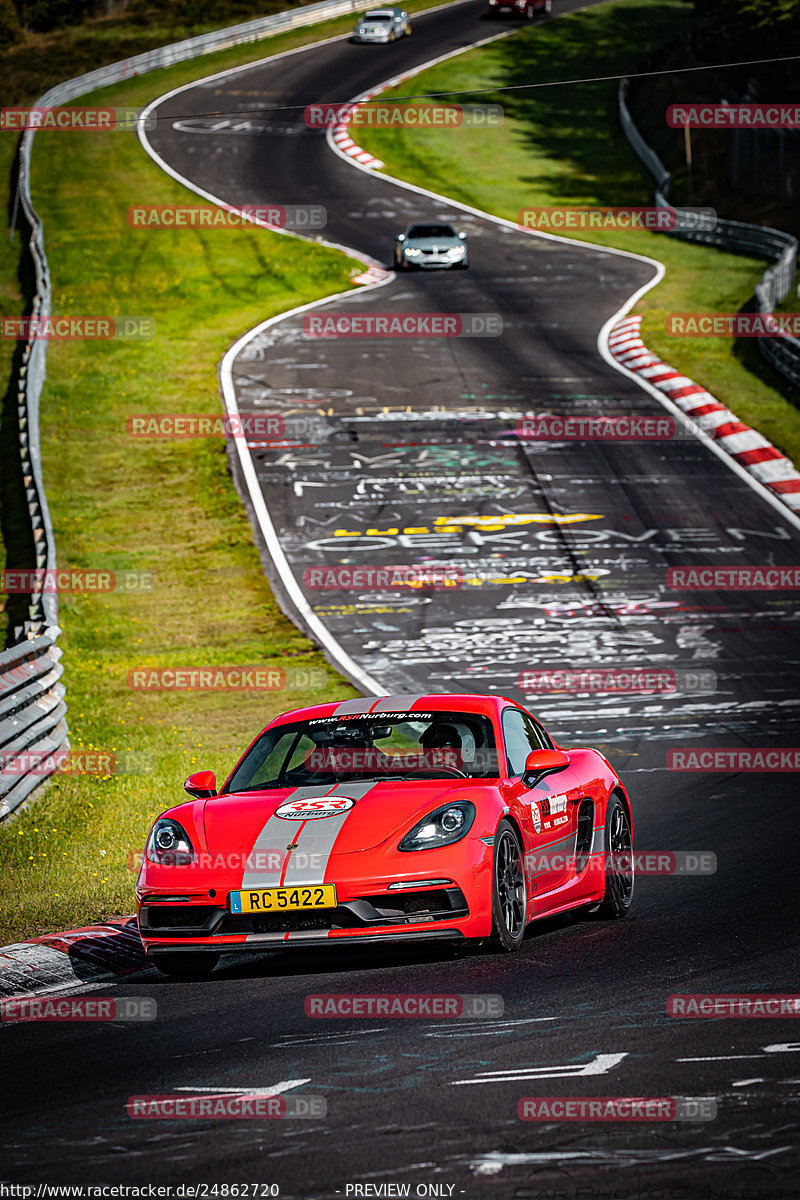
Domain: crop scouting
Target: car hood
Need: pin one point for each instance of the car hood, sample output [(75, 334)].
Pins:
[(377, 811), (429, 243)]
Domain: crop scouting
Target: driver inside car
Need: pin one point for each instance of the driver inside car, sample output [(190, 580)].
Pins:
[(442, 746)]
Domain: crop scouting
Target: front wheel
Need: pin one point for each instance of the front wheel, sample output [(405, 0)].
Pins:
[(509, 893), (193, 965), (619, 871)]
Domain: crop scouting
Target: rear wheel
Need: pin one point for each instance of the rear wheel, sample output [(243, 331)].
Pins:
[(193, 965), (618, 895), (509, 893)]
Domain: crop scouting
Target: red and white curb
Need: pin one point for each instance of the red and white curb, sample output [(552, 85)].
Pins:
[(341, 136), (374, 274), (749, 448), (93, 954)]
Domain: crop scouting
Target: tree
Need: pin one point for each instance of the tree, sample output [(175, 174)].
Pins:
[(10, 31)]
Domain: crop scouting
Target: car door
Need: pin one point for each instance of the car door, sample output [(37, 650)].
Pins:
[(549, 809)]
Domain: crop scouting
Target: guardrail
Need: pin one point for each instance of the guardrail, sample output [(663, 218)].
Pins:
[(33, 727), (32, 708), (781, 351)]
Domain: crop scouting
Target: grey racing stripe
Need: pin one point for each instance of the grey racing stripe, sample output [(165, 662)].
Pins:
[(309, 861), (401, 703), (354, 706), (315, 843)]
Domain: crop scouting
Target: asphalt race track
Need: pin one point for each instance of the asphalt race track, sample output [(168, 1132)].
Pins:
[(416, 443)]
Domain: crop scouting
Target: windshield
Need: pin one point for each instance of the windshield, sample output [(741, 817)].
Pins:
[(377, 17), (431, 231), (330, 750)]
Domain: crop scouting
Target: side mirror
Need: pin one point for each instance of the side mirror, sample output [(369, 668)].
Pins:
[(202, 785), (543, 762), (463, 236), (401, 237)]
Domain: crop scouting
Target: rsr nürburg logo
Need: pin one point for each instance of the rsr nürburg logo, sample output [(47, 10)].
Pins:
[(312, 810)]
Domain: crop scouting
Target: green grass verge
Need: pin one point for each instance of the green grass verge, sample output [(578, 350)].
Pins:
[(28, 70), (169, 508), (563, 146)]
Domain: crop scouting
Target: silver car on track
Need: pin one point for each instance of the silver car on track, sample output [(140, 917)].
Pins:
[(382, 25), (430, 246)]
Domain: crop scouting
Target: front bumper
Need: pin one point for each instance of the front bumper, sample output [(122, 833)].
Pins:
[(429, 262), (174, 913)]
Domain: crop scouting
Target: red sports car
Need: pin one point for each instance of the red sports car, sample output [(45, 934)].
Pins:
[(385, 819), (519, 8)]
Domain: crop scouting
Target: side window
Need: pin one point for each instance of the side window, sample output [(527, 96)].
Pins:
[(538, 738), (521, 735), (515, 736)]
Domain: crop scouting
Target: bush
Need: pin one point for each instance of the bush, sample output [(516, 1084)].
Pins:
[(43, 15), (736, 30), (10, 30)]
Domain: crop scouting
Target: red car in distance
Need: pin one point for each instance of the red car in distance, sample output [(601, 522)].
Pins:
[(529, 9), (385, 819)]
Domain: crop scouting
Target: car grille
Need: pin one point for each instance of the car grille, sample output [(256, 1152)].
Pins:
[(385, 908)]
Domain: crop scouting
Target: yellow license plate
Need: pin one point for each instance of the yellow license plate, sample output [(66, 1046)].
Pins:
[(283, 899)]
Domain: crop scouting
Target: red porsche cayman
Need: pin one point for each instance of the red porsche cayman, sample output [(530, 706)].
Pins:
[(385, 820)]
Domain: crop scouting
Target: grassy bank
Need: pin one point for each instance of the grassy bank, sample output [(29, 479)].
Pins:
[(167, 508), (562, 146), (28, 70)]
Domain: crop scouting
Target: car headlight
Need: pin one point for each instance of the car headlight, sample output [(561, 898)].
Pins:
[(441, 827), (169, 844), (456, 251), (411, 252)]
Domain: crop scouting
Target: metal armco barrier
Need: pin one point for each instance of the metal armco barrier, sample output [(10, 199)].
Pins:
[(32, 709), (33, 723), (782, 352)]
